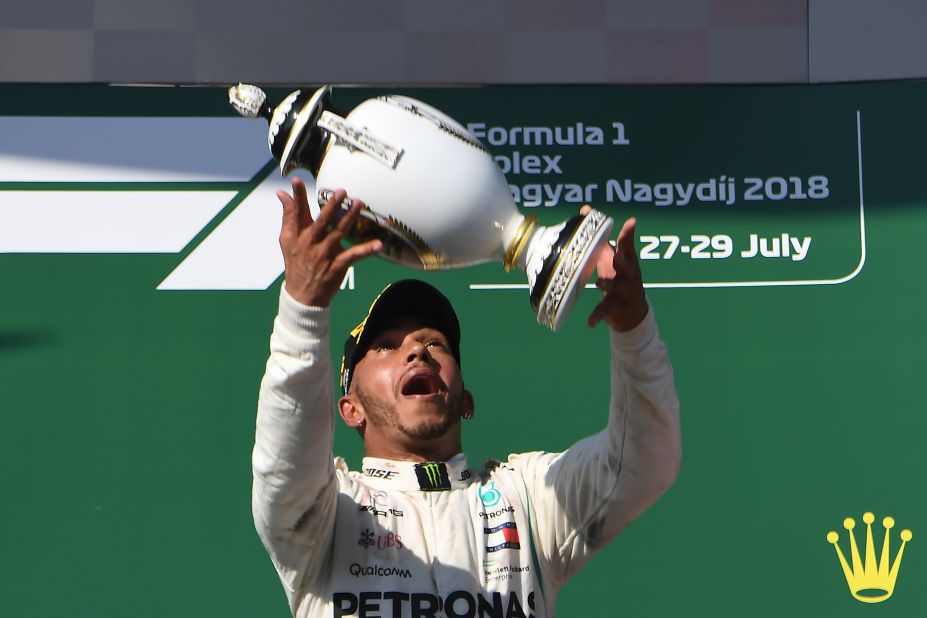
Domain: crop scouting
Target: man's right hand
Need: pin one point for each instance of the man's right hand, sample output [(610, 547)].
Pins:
[(315, 262)]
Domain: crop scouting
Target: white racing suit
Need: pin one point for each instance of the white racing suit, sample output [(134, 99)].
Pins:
[(442, 539)]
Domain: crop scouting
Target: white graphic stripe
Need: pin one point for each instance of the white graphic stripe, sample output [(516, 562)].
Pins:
[(105, 221), (243, 252), (61, 149)]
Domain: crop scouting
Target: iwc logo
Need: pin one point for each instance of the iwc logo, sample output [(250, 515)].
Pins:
[(870, 582)]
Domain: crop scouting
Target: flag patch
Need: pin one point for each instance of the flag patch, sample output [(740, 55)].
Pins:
[(503, 536)]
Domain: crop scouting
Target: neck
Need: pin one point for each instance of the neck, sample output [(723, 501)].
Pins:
[(419, 453)]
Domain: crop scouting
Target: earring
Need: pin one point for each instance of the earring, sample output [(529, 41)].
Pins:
[(468, 414)]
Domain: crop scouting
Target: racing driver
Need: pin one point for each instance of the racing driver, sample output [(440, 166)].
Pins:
[(418, 532)]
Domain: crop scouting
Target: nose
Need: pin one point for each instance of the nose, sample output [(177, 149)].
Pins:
[(417, 350)]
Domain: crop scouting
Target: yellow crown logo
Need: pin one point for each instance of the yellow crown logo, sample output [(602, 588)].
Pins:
[(870, 583)]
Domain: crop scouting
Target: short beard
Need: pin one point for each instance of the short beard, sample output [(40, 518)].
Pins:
[(383, 414)]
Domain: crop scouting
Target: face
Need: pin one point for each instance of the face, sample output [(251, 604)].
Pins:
[(408, 385)]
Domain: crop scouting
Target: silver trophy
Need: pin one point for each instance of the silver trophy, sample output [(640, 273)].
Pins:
[(433, 194)]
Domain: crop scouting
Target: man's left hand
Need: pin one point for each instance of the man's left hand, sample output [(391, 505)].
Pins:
[(624, 305)]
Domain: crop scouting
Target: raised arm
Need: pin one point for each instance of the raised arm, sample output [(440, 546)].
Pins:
[(584, 497), (294, 492)]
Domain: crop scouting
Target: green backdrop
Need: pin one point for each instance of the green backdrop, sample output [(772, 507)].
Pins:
[(128, 412)]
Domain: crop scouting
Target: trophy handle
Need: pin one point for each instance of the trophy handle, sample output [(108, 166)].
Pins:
[(559, 260), (400, 243), (357, 138)]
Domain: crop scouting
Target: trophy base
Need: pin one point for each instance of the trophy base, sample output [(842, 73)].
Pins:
[(562, 272)]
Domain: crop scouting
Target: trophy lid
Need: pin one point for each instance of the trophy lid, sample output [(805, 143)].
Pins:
[(249, 101), (293, 137)]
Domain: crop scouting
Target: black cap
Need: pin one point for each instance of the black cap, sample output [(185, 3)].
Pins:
[(408, 298)]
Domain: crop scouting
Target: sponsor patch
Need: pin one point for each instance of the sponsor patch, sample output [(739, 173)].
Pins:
[(378, 505), (489, 495), (497, 512), (503, 536), (457, 603), (432, 476), (389, 540), (492, 572), (366, 539), (378, 473), (375, 570)]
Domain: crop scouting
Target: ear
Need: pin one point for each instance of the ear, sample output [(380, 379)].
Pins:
[(468, 407), (351, 411)]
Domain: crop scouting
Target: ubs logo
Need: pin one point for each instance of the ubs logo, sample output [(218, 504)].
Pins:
[(366, 538), (382, 541)]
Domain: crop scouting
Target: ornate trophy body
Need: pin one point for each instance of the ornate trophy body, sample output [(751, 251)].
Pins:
[(433, 193)]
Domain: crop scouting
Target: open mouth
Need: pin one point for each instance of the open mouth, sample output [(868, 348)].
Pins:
[(422, 382)]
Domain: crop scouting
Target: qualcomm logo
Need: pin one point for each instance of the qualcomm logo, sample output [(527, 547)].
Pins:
[(203, 187)]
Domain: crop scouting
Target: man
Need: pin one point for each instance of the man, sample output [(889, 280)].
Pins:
[(418, 532)]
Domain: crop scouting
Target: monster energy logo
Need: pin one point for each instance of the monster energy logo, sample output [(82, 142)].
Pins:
[(432, 476), (431, 469)]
